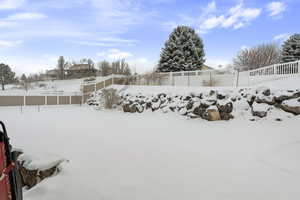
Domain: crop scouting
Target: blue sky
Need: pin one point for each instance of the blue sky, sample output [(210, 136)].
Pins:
[(33, 33)]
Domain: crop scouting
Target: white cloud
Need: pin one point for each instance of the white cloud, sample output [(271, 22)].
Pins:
[(236, 17), (25, 16), (7, 43), (16, 19), (212, 22), (107, 42), (117, 40), (11, 4), (29, 65), (116, 14), (87, 43), (114, 54), (7, 24), (276, 8), (281, 37)]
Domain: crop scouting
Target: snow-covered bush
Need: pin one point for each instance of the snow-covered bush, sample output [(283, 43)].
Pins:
[(110, 98)]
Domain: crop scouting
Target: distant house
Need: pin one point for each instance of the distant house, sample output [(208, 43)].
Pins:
[(79, 67), (50, 75), (80, 70), (205, 67)]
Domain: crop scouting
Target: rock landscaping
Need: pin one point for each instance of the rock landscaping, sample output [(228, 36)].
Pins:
[(210, 105)]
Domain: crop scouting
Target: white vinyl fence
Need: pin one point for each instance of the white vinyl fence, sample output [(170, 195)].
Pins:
[(273, 72), (221, 78)]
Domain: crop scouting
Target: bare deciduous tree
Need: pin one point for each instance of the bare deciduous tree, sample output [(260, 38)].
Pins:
[(257, 57), (116, 67)]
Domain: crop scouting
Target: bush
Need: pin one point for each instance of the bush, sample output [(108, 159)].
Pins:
[(42, 85), (110, 98), (89, 79)]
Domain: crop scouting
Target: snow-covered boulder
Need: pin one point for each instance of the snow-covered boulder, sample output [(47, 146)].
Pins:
[(35, 169), (212, 114)]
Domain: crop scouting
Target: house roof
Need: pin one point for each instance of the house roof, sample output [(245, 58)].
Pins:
[(79, 67), (51, 72), (205, 67)]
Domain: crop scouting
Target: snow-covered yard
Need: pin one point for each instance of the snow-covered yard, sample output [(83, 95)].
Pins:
[(71, 86), (113, 155)]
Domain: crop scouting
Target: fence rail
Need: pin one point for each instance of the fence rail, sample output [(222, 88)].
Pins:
[(278, 69)]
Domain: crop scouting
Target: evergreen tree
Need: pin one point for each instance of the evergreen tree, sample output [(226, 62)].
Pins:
[(6, 75), (182, 52), (23, 78), (61, 68), (291, 49)]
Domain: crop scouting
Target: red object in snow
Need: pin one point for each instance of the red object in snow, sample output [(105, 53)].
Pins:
[(5, 188), (10, 180)]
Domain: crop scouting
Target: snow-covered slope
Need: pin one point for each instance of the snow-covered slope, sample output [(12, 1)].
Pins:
[(283, 83), (150, 156)]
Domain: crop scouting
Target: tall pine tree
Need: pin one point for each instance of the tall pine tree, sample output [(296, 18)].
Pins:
[(291, 49), (182, 52)]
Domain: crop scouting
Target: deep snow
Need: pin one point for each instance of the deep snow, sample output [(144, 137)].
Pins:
[(150, 156)]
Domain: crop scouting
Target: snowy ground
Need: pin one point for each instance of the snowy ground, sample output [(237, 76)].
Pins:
[(113, 155), (71, 87), (283, 83)]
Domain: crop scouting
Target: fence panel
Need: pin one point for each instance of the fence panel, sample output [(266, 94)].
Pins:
[(76, 99), (34, 100), (64, 100), (11, 100), (51, 100)]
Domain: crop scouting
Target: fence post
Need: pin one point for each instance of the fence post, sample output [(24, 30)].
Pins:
[(70, 100), (210, 81), (112, 79), (24, 100), (46, 102), (57, 99), (170, 77), (237, 78)]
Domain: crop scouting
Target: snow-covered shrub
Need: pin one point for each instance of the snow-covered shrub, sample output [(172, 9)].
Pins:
[(110, 98)]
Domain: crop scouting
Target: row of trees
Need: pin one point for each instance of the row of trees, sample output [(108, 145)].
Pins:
[(268, 54), (7, 76), (184, 51), (104, 68), (117, 67)]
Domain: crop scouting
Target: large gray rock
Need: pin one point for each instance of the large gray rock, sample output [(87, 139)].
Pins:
[(200, 110), (226, 108), (290, 109)]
